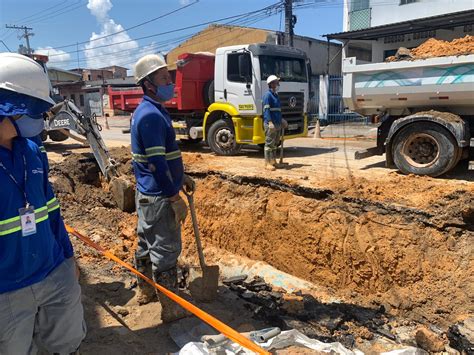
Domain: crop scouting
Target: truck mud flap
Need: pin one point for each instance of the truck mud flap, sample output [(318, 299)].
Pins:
[(370, 152)]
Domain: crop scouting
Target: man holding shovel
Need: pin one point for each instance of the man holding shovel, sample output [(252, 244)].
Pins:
[(159, 173), (274, 124)]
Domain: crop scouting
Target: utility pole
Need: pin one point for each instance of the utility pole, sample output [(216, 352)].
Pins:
[(25, 35), (290, 21)]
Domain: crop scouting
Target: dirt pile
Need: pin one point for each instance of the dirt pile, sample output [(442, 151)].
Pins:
[(412, 260), (438, 48)]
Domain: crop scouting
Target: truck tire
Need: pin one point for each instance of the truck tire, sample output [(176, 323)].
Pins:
[(424, 148), (208, 93), (57, 136), (221, 138)]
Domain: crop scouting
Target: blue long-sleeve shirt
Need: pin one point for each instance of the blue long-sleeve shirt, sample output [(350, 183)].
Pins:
[(157, 161), (271, 108), (39, 142), (28, 260)]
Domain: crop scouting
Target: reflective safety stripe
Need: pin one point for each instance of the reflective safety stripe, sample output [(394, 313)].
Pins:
[(13, 225), (139, 158), (266, 106), (156, 151), (173, 155), (275, 109), (42, 149), (52, 205)]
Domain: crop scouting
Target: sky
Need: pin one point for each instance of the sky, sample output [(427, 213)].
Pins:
[(72, 32)]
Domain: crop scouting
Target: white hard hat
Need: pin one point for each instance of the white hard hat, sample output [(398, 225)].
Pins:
[(147, 65), (272, 78), (23, 75)]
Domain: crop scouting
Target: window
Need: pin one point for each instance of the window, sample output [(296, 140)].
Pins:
[(73, 98), (404, 2), (89, 77), (233, 73), (357, 5), (288, 69), (81, 100)]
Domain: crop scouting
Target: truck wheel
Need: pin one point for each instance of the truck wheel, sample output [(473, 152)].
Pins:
[(208, 93), (221, 138), (57, 136), (424, 148)]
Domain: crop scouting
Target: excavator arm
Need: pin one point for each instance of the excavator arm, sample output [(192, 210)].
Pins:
[(66, 117)]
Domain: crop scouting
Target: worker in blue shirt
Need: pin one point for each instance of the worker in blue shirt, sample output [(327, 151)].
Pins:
[(40, 297), (39, 142), (159, 173), (272, 122)]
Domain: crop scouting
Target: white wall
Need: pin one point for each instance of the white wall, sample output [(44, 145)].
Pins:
[(390, 11), (383, 14)]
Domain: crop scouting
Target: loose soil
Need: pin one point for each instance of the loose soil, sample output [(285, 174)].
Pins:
[(403, 243), (438, 48)]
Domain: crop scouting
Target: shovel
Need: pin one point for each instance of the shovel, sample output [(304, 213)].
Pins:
[(281, 164), (203, 280)]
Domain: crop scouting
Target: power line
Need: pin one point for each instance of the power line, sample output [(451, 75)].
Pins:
[(267, 8), (247, 20), (40, 12), (242, 20), (133, 27), (59, 12)]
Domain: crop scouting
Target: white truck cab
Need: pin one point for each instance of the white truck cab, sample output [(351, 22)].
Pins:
[(235, 117)]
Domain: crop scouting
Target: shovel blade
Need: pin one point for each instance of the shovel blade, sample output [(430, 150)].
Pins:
[(203, 283)]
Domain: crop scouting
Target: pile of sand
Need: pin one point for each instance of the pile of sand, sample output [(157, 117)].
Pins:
[(439, 48)]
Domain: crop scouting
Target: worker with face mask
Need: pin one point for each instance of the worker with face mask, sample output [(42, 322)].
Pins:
[(273, 123), (40, 297), (159, 173)]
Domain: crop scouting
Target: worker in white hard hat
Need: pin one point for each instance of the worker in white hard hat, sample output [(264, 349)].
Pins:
[(159, 173), (40, 297), (274, 124)]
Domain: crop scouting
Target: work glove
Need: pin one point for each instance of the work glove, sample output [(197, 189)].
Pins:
[(284, 123), (271, 125), (180, 210), (189, 185)]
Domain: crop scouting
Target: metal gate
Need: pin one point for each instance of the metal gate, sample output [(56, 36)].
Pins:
[(336, 110)]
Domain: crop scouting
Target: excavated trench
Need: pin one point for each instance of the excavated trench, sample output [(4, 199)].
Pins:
[(416, 263)]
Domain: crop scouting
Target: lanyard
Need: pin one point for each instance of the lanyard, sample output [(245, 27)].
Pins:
[(23, 190)]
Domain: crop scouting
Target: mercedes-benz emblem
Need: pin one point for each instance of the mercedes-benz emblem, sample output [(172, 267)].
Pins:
[(292, 102)]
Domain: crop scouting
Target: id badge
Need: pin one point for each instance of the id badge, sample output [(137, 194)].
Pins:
[(28, 221)]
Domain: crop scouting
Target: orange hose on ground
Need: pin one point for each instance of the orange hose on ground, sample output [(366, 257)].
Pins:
[(213, 322)]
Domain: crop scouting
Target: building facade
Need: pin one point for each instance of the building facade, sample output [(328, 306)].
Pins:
[(400, 23)]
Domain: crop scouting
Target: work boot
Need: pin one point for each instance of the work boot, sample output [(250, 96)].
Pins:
[(145, 292), (170, 310), (269, 166)]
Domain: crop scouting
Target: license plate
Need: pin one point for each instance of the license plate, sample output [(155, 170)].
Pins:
[(293, 126)]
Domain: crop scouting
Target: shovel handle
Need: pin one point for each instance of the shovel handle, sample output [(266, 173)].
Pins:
[(197, 236), (281, 145)]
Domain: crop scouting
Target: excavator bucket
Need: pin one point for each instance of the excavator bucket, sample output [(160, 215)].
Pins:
[(123, 192)]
